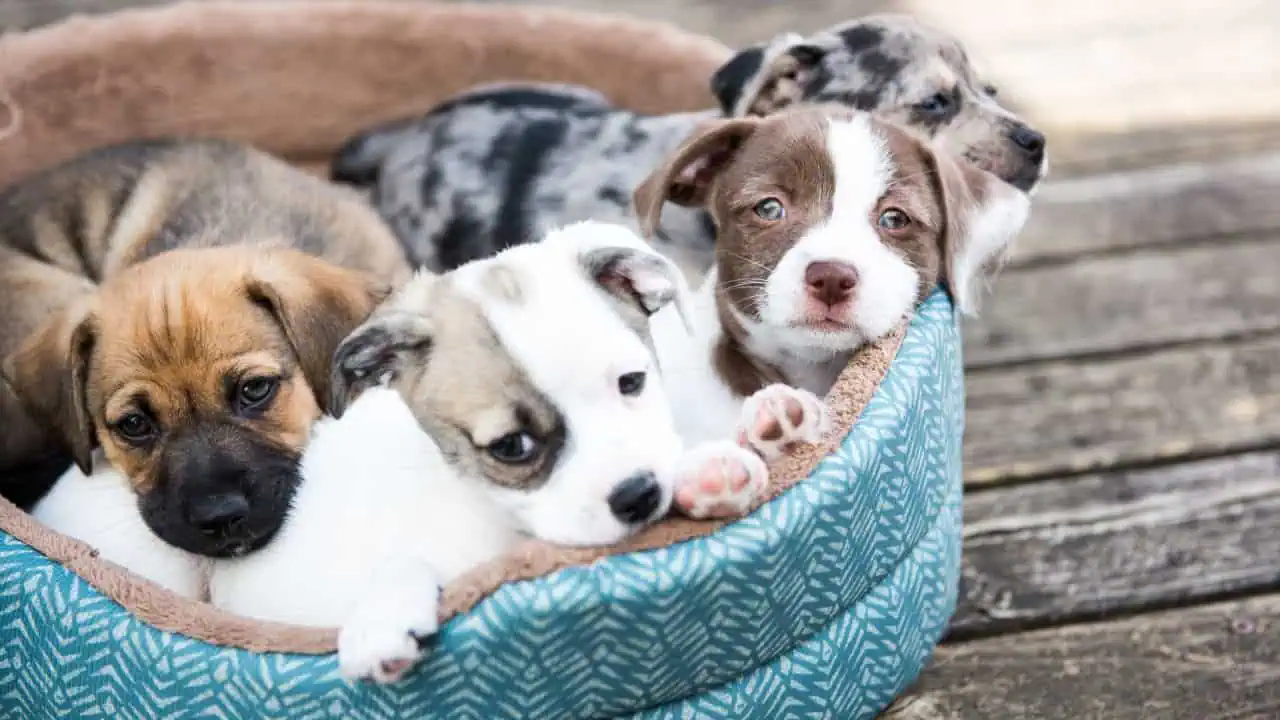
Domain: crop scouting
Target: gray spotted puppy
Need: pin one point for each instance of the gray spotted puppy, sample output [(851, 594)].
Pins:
[(504, 164)]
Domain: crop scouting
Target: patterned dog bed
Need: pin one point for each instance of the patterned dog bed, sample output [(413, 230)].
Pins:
[(825, 601)]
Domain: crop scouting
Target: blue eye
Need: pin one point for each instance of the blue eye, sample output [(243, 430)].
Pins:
[(936, 104)]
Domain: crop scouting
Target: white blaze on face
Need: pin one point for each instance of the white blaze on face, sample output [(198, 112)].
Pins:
[(887, 283), (574, 347)]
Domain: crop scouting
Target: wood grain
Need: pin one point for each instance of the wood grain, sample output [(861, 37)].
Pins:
[(1076, 416), (1151, 206), (1124, 542), (1206, 663), (1129, 302)]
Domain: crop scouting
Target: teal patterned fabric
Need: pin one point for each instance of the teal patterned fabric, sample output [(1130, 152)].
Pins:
[(823, 603)]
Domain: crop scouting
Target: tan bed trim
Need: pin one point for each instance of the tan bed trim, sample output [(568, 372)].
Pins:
[(253, 68)]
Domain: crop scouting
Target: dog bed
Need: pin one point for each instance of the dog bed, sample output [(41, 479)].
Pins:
[(823, 602)]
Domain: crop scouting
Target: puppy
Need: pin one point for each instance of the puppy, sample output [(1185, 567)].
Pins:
[(70, 228), (198, 374), (512, 398), (832, 226), (502, 164)]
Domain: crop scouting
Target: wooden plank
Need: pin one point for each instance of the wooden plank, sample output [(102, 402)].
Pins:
[(1067, 550), (1151, 206), (1205, 663), (1129, 302), (1066, 417)]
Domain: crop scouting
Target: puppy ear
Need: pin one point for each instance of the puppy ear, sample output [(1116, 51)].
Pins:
[(768, 77), (375, 353), (640, 277), (317, 304), (687, 176), (48, 373), (983, 215)]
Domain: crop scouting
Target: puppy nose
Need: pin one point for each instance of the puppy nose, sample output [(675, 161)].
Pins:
[(636, 498), (214, 514), (830, 283), (1027, 139)]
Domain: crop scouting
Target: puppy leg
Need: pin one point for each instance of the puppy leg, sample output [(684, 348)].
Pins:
[(719, 480), (384, 637), (779, 417)]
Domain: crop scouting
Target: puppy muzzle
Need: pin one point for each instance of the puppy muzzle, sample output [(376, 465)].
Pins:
[(221, 491)]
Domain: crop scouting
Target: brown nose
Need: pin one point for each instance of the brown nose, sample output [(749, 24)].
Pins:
[(830, 283)]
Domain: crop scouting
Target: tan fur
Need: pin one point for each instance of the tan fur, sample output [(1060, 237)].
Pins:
[(170, 334), (93, 219), (92, 81), (442, 341)]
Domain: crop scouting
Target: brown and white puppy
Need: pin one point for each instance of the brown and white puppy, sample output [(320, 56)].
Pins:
[(160, 315), (832, 226)]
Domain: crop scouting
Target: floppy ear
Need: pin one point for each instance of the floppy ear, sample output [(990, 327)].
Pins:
[(687, 176), (317, 304), (48, 373), (640, 277), (765, 78), (375, 353), (983, 215)]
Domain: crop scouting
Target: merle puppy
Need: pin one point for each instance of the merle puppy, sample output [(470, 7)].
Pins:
[(504, 164)]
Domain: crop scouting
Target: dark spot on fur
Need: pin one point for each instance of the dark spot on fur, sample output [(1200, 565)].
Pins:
[(708, 224), (861, 37), (462, 240), (930, 120), (635, 138), (728, 81), (610, 194), (432, 181), (880, 68), (520, 98), (526, 160)]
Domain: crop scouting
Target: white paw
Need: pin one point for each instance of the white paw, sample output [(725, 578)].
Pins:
[(779, 417), (383, 641), (719, 480)]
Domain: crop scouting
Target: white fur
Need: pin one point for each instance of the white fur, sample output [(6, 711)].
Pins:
[(811, 359), (375, 489), (102, 511), (574, 346), (990, 229)]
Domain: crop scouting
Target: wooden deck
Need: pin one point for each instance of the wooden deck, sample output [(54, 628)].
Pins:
[(1122, 553)]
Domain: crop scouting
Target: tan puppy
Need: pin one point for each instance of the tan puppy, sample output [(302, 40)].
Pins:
[(198, 372)]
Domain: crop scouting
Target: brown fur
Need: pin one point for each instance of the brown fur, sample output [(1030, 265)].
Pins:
[(92, 81), (92, 219), (428, 341), (730, 166)]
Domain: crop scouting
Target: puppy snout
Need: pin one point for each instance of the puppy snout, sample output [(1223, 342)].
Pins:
[(1028, 140), (830, 283), (635, 499), (217, 513)]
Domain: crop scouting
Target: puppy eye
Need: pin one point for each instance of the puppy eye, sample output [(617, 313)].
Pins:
[(135, 428), (990, 90), (631, 384), (514, 448), (256, 392), (936, 104), (894, 220), (770, 209)]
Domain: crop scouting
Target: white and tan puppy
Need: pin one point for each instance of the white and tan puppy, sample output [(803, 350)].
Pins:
[(831, 227), (515, 397)]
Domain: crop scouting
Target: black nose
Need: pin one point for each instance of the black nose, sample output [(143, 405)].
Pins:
[(1028, 139), (217, 513), (636, 498)]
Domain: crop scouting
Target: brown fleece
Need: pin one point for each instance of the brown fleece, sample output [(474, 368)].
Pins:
[(297, 81)]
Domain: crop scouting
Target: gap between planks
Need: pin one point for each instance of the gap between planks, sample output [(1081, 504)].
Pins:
[(1119, 543), (1209, 662)]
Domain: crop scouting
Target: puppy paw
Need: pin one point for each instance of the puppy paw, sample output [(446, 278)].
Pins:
[(379, 654), (384, 639), (779, 417), (719, 480)]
